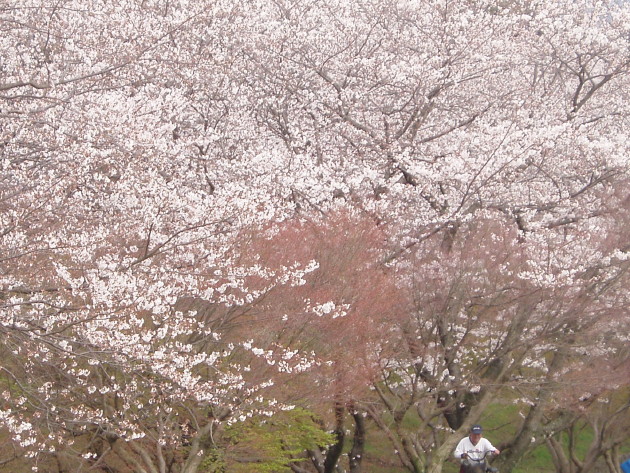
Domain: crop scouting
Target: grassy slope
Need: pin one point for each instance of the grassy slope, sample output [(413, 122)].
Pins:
[(500, 422)]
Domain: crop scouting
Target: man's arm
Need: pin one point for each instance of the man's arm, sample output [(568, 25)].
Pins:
[(460, 450), (488, 447)]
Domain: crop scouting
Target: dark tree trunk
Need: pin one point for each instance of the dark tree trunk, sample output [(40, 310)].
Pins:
[(334, 452), (358, 443)]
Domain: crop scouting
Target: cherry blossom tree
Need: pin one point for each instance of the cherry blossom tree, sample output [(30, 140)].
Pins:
[(143, 143), (606, 415), (493, 121), (464, 113), (480, 336), (341, 315), (110, 217)]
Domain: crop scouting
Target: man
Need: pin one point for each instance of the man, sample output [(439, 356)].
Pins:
[(474, 446)]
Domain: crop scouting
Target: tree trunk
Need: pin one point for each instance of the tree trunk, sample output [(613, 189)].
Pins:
[(612, 465), (395, 438), (333, 454), (532, 423), (197, 447), (358, 443), (560, 461)]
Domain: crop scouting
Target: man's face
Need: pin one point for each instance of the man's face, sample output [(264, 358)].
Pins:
[(474, 438)]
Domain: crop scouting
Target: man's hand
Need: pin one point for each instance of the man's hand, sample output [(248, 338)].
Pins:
[(496, 452), (464, 456)]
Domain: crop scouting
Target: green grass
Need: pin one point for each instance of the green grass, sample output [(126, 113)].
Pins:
[(539, 460), (500, 422)]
